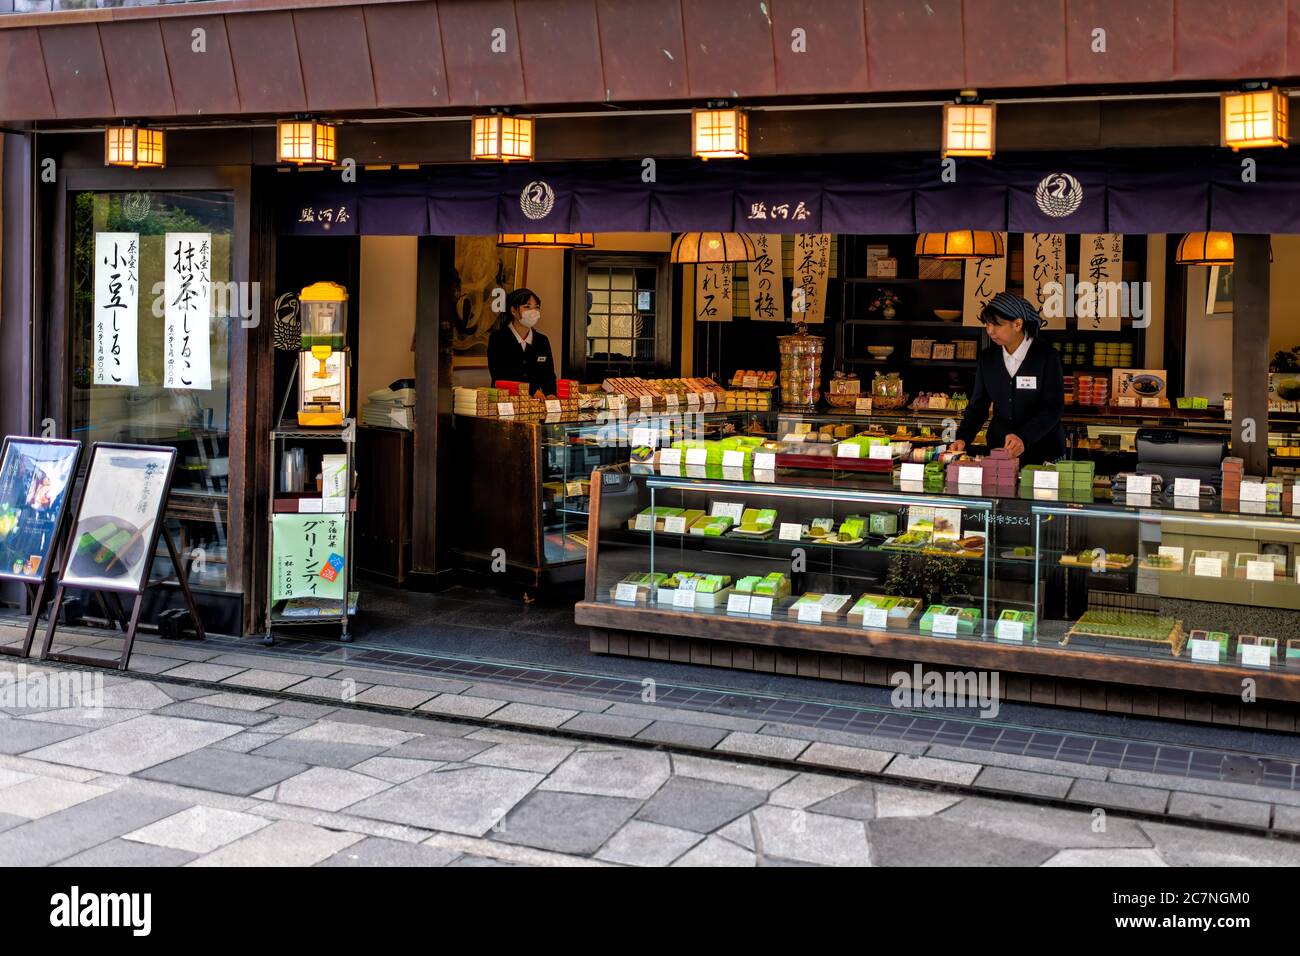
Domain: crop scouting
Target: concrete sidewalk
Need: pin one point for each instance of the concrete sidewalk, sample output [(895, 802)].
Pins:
[(168, 773)]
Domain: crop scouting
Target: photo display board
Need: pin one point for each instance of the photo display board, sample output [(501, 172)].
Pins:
[(36, 478), (119, 517)]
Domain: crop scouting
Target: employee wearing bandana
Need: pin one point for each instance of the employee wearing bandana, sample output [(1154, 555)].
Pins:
[(1019, 379)]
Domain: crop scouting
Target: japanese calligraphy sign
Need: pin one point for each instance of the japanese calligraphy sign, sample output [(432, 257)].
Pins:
[(778, 210), (36, 477), (1044, 264), (984, 279), (713, 290), (307, 556), (187, 285), (118, 517), (766, 291), (1101, 264), (812, 266), (117, 296)]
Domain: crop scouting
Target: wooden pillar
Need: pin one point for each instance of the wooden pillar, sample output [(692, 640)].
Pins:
[(434, 307), (1250, 355)]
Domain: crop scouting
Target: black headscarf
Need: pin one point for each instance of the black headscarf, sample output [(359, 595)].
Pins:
[(1006, 305)]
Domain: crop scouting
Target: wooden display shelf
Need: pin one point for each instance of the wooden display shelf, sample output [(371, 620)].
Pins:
[(1044, 660)]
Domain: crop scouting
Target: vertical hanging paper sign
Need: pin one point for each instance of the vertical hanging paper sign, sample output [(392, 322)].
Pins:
[(812, 264), (117, 297), (1100, 291), (766, 291), (187, 286), (713, 293), (984, 279), (1044, 277)]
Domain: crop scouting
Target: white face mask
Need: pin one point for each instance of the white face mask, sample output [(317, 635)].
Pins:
[(530, 317)]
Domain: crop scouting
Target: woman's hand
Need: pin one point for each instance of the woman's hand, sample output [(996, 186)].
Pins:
[(957, 446), (1014, 446)]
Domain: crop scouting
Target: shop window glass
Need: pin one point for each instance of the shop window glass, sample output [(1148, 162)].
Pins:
[(195, 421), (621, 319)]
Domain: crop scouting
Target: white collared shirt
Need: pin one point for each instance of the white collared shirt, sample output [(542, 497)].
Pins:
[(527, 340), (1013, 360)]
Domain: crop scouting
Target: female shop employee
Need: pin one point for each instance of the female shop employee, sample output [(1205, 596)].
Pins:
[(1019, 377), (517, 352)]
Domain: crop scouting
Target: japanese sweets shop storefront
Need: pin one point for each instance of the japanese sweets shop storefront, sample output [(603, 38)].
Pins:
[(745, 459)]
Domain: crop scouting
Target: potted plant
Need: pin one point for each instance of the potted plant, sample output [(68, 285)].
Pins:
[(886, 303), (927, 576)]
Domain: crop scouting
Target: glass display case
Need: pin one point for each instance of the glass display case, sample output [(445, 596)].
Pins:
[(1062, 579)]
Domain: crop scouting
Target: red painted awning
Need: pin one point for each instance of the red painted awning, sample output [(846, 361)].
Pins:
[(272, 57)]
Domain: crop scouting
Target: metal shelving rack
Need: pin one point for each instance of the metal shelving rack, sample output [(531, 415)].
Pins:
[(288, 431)]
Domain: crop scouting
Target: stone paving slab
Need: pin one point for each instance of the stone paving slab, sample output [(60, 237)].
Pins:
[(225, 771), (265, 679), (606, 725), (124, 853), (325, 753), (1062, 827), (932, 768), (400, 679), (1024, 782), (283, 843), (135, 744), (916, 842), (700, 805), (1198, 806), (611, 772), (544, 698), (82, 827), (199, 829), (565, 822), (1119, 796), (533, 715), (640, 843), (762, 745), (461, 705), (467, 801), (377, 851), (679, 735), (840, 757)]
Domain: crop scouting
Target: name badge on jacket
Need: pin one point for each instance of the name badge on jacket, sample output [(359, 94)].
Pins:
[(541, 358), (1026, 381)]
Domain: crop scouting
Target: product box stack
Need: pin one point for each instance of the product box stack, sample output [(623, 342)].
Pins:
[(487, 402), (474, 401), (746, 400), (1073, 482), (567, 388), (999, 469), (1231, 470)]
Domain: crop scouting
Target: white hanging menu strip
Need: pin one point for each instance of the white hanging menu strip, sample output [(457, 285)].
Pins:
[(812, 263), (766, 291), (713, 291), (187, 285), (1045, 265), (984, 279), (1101, 267), (117, 298)]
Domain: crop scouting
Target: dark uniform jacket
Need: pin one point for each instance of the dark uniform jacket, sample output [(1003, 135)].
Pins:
[(533, 364), (1028, 405)]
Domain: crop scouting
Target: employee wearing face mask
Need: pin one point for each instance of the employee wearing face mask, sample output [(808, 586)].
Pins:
[(517, 352)]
